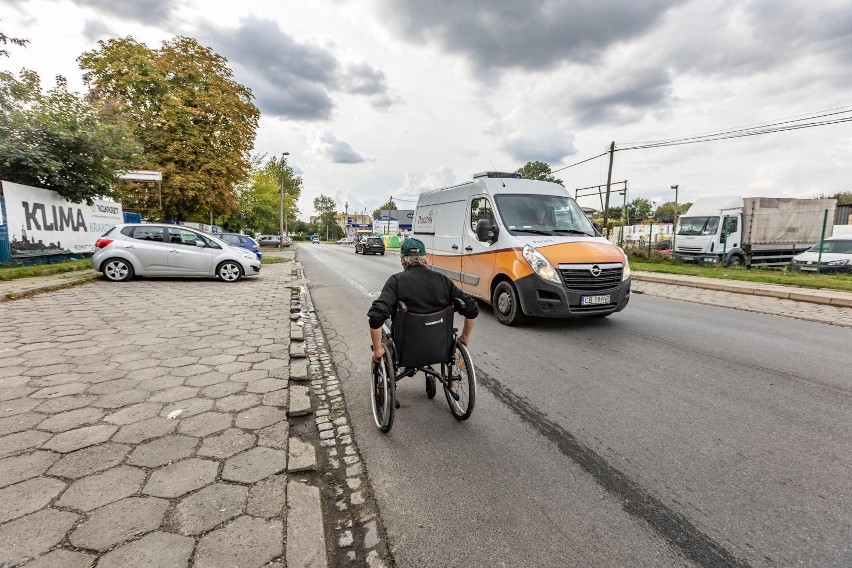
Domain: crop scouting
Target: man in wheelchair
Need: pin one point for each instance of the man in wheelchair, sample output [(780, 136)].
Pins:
[(422, 291)]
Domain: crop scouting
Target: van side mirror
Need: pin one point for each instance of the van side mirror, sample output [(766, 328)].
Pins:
[(486, 231)]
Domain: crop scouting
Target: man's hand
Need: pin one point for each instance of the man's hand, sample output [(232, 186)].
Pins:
[(464, 339), (378, 354)]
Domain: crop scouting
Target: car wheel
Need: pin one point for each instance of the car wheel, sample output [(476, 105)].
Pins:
[(229, 271), (506, 306), (383, 253), (117, 270)]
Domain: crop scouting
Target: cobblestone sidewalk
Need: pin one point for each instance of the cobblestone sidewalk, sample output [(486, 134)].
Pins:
[(177, 423)]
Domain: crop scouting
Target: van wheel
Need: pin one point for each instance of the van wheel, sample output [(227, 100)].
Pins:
[(506, 306), (735, 260)]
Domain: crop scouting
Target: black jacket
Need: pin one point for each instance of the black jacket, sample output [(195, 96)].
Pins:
[(423, 291)]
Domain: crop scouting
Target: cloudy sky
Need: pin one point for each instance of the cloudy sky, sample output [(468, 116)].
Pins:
[(374, 98)]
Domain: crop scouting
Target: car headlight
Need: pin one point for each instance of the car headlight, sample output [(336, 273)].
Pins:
[(625, 274), (540, 265), (842, 262)]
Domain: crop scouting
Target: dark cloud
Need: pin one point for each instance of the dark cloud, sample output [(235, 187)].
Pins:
[(93, 30), (337, 150), (145, 11), (291, 79), (625, 100), (532, 147), (526, 34)]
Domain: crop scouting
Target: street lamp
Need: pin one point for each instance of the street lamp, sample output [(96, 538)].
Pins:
[(674, 187), (281, 220), (674, 221)]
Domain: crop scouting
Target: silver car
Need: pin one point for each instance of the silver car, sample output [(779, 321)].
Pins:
[(145, 249)]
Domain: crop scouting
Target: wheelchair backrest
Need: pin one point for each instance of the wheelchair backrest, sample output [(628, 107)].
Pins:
[(422, 339)]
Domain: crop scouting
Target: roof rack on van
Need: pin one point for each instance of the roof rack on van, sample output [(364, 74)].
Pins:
[(514, 175)]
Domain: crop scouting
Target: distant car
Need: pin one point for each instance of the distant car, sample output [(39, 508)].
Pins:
[(836, 256), (242, 241), (370, 245), (288, 241), (269, 240), (346, 241), (315, 240), (144, 249), (664, 247)]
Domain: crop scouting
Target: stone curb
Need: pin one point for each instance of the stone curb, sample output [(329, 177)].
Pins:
[(58, 284), (824, 297)]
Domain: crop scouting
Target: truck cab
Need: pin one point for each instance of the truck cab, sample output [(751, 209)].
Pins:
[(709, 231)]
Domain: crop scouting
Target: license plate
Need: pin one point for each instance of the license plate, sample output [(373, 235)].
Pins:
[(594, 300), (809, 268)]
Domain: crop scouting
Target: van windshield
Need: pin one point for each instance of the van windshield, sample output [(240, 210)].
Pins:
[(543, 215), (697, 225)]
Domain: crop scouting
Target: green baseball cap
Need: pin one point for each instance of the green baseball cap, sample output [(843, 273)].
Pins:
[(412, 247)]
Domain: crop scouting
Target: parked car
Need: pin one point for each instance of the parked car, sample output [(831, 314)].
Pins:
[(836, 256), (664, 247), (242, 241), (346, 241), (143, 249), (269, 240), (288, 241), (370, 245)]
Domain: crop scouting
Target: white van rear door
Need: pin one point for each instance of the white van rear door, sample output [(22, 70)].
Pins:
[(448, 242)]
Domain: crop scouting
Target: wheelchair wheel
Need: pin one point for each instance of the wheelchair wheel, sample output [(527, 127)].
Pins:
[(430, 386), (460, 388), (382, 388)]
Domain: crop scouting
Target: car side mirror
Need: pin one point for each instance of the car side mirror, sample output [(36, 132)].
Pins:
[(486, 231), (200, 243)]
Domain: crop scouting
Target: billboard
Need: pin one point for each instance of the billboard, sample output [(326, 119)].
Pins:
[(42, 223)]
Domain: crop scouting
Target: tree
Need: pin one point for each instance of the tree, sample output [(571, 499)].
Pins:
[(6, 40), (326, 207), (667, 212), (196, 124), (384, 207), (260, 196), (842, 197), (58, 140), (538, 170), (639, 209)]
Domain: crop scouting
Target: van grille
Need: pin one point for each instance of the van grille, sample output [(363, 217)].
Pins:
[(689, 249), (581, 279)]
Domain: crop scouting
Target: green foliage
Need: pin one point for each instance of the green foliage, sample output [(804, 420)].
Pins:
[(538, 170), (196, 124), (6, 40), (30, 270), (842, 197), (639, 209), (59, 140), (326, 207), (384, 207), (667, 212), (260, 197)]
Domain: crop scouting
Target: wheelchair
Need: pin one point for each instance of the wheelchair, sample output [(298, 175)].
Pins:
[(414, 344)]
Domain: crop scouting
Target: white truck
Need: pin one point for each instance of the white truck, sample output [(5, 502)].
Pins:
[(751, 231)]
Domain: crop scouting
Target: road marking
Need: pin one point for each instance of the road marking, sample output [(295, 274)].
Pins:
[(354, 284)]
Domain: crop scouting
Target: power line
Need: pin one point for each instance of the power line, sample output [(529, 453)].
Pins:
[(578, 163)]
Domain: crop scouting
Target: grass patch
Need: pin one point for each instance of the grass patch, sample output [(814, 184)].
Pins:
[(766, 275), (274, 260), (26, 271)]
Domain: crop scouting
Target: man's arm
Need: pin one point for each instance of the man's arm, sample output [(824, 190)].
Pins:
[(378, 350), (466, 331)]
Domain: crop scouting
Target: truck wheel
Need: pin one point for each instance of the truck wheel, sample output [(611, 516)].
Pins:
[(507, 308), (735, 260)]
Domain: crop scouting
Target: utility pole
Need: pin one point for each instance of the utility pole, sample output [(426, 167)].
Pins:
[(346, 220), (282, 227), (608, 183)]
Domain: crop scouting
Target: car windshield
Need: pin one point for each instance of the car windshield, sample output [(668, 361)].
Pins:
[(697, 225), (543, 215), (838, 246)]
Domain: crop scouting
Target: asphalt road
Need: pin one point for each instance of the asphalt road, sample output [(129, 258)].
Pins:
[(669, 434)]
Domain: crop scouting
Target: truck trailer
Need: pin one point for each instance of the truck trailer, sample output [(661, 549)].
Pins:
[(751, 231)]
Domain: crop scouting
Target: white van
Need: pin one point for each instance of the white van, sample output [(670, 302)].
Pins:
[(524, 246)]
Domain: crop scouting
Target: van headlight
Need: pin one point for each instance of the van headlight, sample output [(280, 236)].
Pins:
[(540, 265), (842, 262), (625, 274)]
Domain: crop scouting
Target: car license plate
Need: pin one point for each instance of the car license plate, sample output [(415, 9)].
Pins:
[(809, 268), (594, 300)]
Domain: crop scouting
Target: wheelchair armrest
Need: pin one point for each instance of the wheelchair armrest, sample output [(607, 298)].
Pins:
[(458, 304), (401, 307)]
